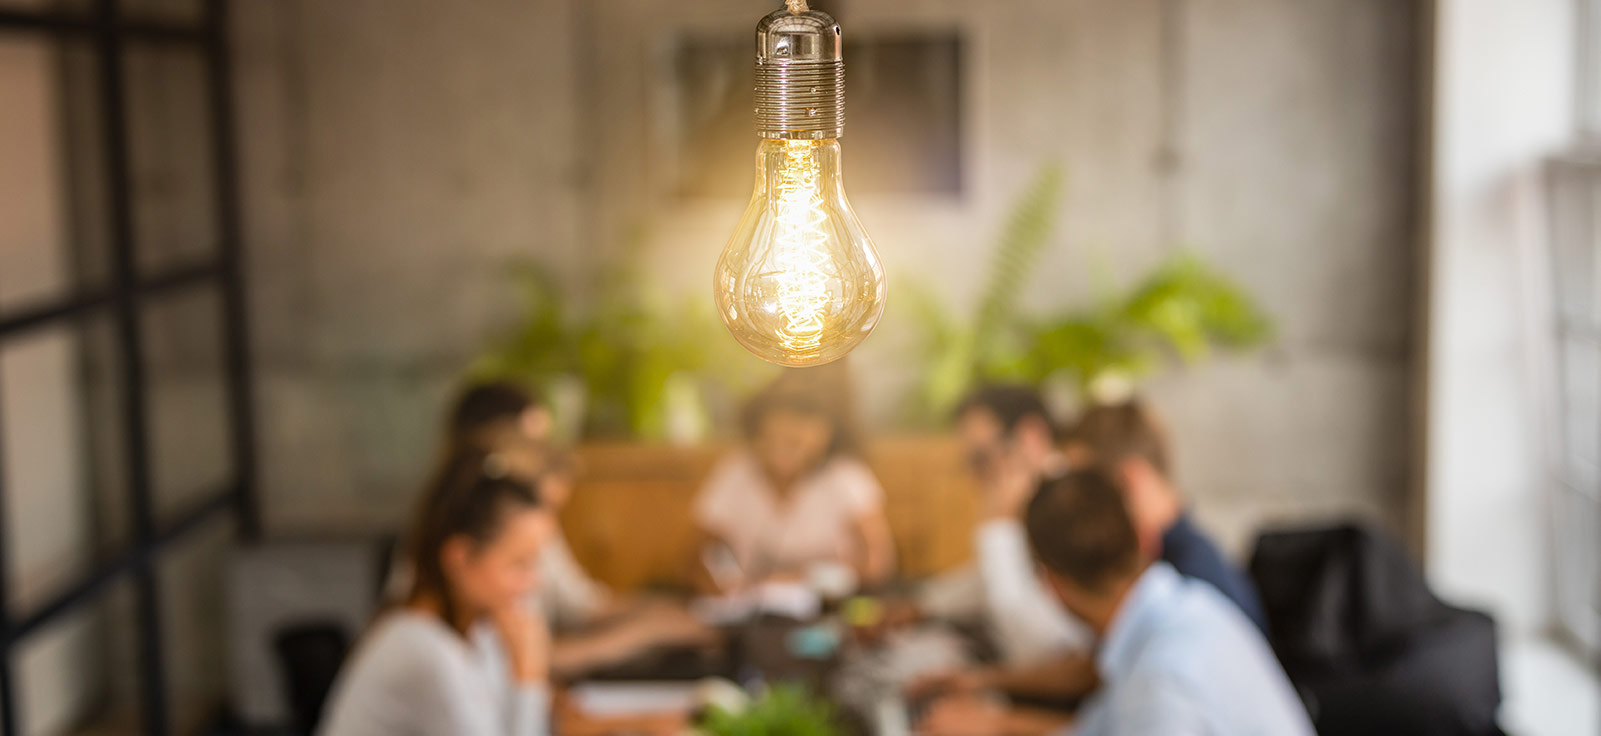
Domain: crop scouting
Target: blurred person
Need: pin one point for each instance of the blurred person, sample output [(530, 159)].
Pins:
[(1128, 438), (493, 405), (460, 654), (1176, 657), (798, 494), (1010, 442), (507, 415), (594, 627)]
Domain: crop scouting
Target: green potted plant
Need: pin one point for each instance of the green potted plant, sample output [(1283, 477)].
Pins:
[(1182, 310), (783, 710), (625, 362)]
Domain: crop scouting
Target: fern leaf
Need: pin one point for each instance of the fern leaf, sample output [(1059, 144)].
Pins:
[(1027, 231)]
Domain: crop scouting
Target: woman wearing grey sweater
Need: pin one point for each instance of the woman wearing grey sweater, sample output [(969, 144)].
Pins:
[(461, 655)]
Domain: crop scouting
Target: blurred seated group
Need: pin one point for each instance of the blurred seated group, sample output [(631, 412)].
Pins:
[(1107, 610)]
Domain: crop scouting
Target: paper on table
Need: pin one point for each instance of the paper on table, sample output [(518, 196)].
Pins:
[(633, 698)]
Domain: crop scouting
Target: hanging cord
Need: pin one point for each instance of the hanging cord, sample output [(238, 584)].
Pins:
[(797, 7)]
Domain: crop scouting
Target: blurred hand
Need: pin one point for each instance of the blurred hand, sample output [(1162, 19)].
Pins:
[(901, 612), (527, 641), (963, 682), (964, 716), (663, 625), (1152, 504), (1011, 484), (1063, 677)]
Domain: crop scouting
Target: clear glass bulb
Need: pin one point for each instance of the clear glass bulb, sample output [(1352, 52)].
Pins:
[(799, 283)]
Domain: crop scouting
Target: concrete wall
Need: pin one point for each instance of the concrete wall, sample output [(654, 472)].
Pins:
[(396, 153), (1293, 127)]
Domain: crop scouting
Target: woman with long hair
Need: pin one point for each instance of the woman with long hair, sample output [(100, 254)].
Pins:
[(460, 654), (593, 627)]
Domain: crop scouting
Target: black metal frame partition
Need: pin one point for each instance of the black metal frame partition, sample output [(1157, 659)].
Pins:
[(108, 29)]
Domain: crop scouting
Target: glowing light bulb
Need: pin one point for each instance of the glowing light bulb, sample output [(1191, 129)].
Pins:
[(799, 282)]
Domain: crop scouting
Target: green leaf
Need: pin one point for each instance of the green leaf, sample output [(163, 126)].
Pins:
[(1016, 255), (1188, 306)]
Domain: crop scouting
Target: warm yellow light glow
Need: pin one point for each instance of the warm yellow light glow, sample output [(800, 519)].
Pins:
[(801, 256), (799, 283)]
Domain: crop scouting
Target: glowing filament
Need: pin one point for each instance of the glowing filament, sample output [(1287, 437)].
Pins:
[(801, 250)]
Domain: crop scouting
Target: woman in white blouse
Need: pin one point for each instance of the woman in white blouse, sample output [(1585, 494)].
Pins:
[(798, 494), (461, 655)]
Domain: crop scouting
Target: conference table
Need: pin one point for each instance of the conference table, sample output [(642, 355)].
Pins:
[(766, 649)]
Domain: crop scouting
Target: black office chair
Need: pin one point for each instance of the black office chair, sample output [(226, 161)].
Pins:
[(1369, 646), (310, 655)]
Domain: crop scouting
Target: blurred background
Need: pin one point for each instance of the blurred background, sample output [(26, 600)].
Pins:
[(248, 250)]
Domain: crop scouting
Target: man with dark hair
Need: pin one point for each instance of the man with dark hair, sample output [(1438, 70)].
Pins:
[(1128, 439), (1175, 656), (1011, 446)]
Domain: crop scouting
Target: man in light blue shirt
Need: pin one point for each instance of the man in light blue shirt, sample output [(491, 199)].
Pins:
[(1175, 657)]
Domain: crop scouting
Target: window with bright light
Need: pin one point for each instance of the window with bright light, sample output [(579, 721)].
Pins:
[(1576, 471), (1575, 197)]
